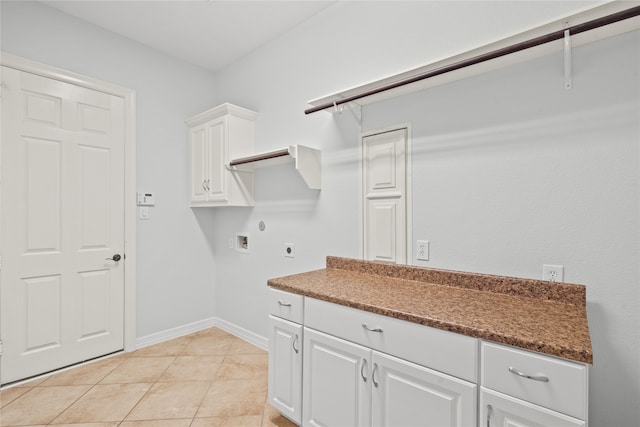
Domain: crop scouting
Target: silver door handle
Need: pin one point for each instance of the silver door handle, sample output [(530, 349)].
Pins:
[(530, 377), (364, 364), (489, 409), (364, 325), (373, 375), (283, 304), (293, 344)]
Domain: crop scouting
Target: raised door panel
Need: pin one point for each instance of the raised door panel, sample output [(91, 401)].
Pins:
[(336, 389), (500, 410), (285, 367), (199, 160), (217, 176), (382, 233), (405, 394)]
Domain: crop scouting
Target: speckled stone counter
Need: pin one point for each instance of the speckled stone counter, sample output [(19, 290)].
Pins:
[(537, 315)]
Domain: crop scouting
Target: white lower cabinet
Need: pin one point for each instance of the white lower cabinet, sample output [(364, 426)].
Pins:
[(406, 394), (336, 390), (285, 358), (346, 384), (335, 366)]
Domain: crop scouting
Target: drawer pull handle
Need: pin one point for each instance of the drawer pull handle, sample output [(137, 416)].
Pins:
[(489, 409), (364, 325), (283, 304), (293, 344), (364, 363), (530, 377), (373, 375)]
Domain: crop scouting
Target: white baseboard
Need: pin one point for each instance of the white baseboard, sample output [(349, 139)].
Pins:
[(180, 331), (248, 336), (177, 332)]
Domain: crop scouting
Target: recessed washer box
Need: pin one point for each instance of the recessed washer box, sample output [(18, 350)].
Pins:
[(242, 242)]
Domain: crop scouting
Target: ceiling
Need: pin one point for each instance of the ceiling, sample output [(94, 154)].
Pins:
[(209, 33)]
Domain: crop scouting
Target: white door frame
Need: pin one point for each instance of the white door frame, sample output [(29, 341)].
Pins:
[(129, 97), (408, 186)]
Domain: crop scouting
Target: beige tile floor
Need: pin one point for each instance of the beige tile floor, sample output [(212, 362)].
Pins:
[(206, 379)]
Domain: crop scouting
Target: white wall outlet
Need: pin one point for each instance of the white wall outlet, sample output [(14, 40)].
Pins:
[(289, 250), (553, 273), (422, 250), (242, 242)]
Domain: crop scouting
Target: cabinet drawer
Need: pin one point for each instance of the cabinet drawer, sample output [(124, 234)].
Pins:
[(504, 369), (286, 305), (436, 349)]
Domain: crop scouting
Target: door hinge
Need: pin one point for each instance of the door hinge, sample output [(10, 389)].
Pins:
[(0, 262), (0, 347)]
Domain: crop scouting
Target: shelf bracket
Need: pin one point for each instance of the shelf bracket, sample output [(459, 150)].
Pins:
[(568, 78)]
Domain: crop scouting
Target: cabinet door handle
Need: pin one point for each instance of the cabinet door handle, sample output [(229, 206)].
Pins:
[(204, 184), (364, 325), (364, 364), (208, 186), (283, 304), (293, 344), (373, 375), (530, 377), (489, 409)]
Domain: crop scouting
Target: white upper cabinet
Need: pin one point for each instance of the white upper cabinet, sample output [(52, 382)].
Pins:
[(216, 136)]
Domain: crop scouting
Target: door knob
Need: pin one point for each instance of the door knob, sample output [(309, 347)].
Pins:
[(115, 258)]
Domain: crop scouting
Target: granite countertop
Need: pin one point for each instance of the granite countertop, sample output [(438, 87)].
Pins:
[(537, 315)]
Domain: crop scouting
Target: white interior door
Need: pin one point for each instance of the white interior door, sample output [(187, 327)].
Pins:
[(61, 294), (385, 198)]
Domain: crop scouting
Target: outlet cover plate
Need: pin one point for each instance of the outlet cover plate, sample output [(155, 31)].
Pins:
[(553, 273), (289, 250), (422, 250)]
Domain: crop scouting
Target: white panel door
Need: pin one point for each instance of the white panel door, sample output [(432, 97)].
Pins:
[(285, 367), (61, 294), (385, 206), (336, 390), (406, 394)]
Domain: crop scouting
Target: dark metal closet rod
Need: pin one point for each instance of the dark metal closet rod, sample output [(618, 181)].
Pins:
[(258, 157), (556, 35)]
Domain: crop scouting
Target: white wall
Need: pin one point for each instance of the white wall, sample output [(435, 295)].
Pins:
[(175, 259), (510, 171)]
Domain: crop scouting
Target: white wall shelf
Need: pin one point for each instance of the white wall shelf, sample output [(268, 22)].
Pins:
[(305, 159)]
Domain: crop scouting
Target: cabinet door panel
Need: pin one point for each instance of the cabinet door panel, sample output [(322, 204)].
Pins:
[(217, 154), (405, 394), (199, 173), (336, 392), (285, 367), (500, 410)]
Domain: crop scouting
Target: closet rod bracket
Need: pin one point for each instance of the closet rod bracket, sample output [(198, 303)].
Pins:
[(568, 73)]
